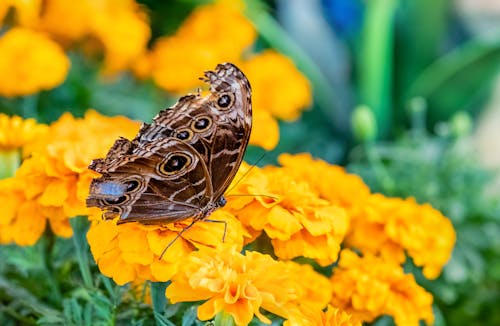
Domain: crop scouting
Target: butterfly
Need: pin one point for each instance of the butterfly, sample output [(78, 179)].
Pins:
[(180, 165)]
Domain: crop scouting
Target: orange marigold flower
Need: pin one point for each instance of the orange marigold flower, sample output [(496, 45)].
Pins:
[(55, 177), (265, 130), (331, 182), (285, 92), (331, 317), (124, 32), (298, 222), (121, 27), (391, 226), (130, 252), (44, 64), (26, 11), (207, 38), (21, 221), (370, 286), (242, 284), (16, 132)]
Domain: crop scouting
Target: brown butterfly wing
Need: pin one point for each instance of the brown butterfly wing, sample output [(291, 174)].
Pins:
[(160, 182), (218, 126), (231, 98)]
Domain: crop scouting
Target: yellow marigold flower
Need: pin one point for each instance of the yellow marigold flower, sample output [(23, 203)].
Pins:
[(298, 222), (77, 22), (124, 33), (285, 92), (21, 221), (26, 11), (130, 252), (331, 182), (120, 27), (242, 284), (55, 177), (370, 286), (16, 132), (207, 38), (44, 64), (391, 226), (331, 317), (265, 130)]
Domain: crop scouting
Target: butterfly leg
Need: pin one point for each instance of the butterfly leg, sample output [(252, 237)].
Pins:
[(177, 237), (219, 221)]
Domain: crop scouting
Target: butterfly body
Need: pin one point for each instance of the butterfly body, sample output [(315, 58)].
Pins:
[(180, 165)]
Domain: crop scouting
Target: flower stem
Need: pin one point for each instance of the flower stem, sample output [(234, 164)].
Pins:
[(9, 162), (29, 106), (381, 173), (79, 225)]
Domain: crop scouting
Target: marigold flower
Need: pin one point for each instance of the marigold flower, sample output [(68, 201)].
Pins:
[(242, 284), (124, 32), (391, 226), (285, 92), (44, 64), (55, 177), (380, 225), (131, 251), (298, 222), (265, 130), (370, 286), (26, 11), (207, 38), (120, 27), (21, 221), (331, 317), (331, 182), (16, 132)]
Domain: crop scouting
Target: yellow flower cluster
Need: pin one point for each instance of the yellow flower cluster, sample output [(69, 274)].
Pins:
[(131, 252), (30, 62), (371, 286), (379, 224), (207, 38), (297, 221), (120, 28), (279, 89), (242, 284), (52, 184), (391, 226)]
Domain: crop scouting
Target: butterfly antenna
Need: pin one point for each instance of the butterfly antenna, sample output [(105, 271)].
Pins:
[(247, 172), (251, 195), (179, 234)]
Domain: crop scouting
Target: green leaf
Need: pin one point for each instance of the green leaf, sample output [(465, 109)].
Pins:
[(458, 80), (189, 316), (158, 297), (162, 321)]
